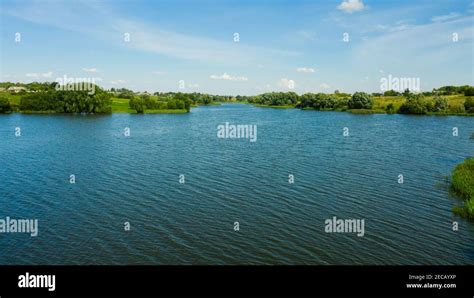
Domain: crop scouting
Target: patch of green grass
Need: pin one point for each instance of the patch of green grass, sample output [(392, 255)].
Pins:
[(381, 102), (462, 185), (120, 105)]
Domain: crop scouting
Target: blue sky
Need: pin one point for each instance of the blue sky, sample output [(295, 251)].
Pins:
[(279, 42)]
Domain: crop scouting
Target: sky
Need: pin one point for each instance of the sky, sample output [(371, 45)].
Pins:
[(238, 47)]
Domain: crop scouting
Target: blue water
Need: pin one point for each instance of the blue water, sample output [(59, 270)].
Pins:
[(136, 179)]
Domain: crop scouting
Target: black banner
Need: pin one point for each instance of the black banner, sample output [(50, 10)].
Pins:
[(429, 281)]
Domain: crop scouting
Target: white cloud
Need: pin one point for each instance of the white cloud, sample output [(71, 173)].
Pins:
[(40, 75), (305, 69), (351, 6), (324, 86), (286, 83), (444, 18), (90, 69), (117, 82), (102, 24), (227, 77), (158, 72)]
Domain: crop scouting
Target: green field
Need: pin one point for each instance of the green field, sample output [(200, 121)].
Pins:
[(455, 103), (455, 106)]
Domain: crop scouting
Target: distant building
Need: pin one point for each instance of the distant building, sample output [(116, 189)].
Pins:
[(15, 89)]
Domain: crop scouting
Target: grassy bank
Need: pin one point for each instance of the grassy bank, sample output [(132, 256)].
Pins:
[(121, 105), (391, 104), (463, 186)]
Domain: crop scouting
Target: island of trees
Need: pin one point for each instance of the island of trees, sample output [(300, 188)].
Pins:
[(48, 98)]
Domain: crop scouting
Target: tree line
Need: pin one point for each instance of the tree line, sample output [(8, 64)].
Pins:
[(144, 102), (48, 97), (62, 101)]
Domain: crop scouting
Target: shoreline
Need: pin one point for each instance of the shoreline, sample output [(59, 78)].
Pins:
[(283, 107)]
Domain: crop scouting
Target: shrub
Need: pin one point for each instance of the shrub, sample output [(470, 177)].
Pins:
[(414, 104), (5, 106), (469, 105), (390, 108), (440, 104), (149, 102), (391, 93), (469, 91), (360, 100), (171, 105), (342, 103), (138, 104), (42, 101)]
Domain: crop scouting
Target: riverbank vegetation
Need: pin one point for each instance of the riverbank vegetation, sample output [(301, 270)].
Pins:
[(447, 100), (44, 97), (462, 185)]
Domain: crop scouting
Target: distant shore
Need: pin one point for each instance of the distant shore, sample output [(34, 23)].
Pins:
[(49, 97)]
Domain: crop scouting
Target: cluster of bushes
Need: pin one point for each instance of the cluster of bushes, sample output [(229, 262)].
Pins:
[(415, 104), (67, 102), (196, 98), (418, 104), (5, 106), (445, 90), (453, 90), (463, 185), (146, 102), (469, 105), (322, 101), (275, 98), (360, 100)]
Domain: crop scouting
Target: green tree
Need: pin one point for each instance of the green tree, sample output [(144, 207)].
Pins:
[(138, 104), (5, 106), (440, 104), (414, 104), (171, 105), (360, 100), (469, 91), (391, 93), (469, 105)]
